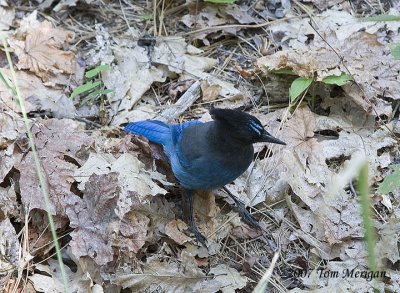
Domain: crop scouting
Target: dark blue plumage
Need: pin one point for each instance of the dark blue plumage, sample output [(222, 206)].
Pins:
[(206, 156)]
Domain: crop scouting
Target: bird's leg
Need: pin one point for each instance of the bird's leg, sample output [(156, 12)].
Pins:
[(244, 214), (187, 203)]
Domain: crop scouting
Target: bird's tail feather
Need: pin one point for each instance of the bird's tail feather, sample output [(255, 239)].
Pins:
[(154, 130)]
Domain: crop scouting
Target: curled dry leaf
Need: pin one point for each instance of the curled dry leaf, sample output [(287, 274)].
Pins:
[(134, 227)]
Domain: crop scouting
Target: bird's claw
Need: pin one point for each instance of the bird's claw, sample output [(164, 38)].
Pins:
[(199, 237), (247, 217), (244, 214)]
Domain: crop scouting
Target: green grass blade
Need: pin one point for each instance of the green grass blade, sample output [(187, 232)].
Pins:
[(96, 71), (84, 88), (382, 17), (370, 239), (338, 80)]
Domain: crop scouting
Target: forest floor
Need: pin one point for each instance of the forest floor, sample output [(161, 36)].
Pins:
[(322, 75)]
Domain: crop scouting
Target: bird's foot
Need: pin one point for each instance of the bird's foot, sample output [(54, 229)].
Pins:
[(246, 216), (199, 237)]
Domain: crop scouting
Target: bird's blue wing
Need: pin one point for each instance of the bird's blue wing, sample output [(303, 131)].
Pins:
[(154, 130)]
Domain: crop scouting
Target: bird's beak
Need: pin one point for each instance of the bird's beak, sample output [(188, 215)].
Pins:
[(266, 137)]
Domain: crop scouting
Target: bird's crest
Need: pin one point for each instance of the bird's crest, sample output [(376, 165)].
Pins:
[(237, 119)]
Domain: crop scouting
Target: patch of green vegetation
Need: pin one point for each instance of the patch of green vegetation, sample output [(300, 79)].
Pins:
[(391, 181), (93, 88), (382, 17), (395, 50)]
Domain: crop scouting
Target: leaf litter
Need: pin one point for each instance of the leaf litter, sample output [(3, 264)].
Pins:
[(111, 194)]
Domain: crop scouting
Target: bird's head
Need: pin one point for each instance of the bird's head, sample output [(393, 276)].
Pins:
[(243, 126)]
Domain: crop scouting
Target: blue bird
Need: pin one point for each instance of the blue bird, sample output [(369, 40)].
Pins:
[(207, 156)]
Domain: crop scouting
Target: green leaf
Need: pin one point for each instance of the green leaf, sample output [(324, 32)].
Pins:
[(382, 17), (95, 71), (100, 92), (298, 86), (146, 17), (287, 70), (220, 1), (338, 80), (84, 88), (395, 50), (391, 181)]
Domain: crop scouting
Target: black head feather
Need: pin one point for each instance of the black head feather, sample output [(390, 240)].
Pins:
[(242, 126)]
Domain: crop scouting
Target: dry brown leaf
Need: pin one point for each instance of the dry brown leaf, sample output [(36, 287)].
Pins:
[(176, 89), (169, 276), (134, 74), (59, 176), (40, 240), (8, 202), (9, 247), (94, 219), (7, 15), (229, 278), (132, 176), (323, 4), (134, 227), (241, 14), (387, 244), (114, 211), (39, 49), (11, 127), (309, 168), (210, 92), (37, 97), (130, 79), (58, 143), (174, 230), (50, 278), (209, 16)]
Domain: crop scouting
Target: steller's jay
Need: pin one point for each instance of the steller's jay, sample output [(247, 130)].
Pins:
[(206, 156)]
